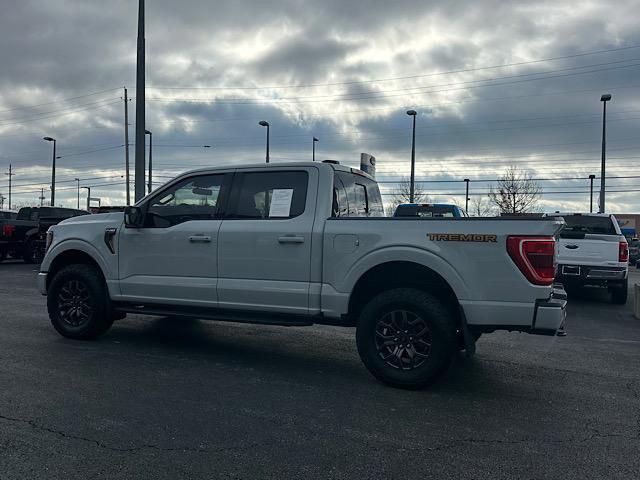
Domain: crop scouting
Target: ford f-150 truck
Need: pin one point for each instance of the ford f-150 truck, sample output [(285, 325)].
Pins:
[(592, 251), (301, 244)]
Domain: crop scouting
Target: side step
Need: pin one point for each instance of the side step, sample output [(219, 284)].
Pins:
[(261, 318)]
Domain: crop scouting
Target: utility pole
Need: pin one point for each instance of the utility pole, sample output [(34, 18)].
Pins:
[(604, 99), (1, 202), (466, 197), (10, 174), (41, 198), (591, 177), (126, 145), (313, 158), (140, 105), (413, 113)]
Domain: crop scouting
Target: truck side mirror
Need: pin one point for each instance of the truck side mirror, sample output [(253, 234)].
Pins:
[(132, 217)]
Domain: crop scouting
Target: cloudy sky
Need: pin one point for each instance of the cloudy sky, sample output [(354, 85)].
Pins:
[(495, 84)]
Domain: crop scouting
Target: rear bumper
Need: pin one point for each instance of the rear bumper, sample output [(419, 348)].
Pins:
[(586, 274), (550, 314)]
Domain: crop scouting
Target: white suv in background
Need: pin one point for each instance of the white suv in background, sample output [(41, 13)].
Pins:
[(593, 251)]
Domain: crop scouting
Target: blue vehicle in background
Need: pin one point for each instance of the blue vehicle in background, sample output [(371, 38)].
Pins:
[(429, 210)]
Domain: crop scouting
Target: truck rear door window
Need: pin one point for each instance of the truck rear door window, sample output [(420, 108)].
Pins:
[(362, 196), (268, 195)]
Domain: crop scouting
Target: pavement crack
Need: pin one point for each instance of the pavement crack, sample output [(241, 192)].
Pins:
[(100, 444)]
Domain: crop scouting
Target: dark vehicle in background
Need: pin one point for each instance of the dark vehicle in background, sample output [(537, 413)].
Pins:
[(634, 251), (24, 237), (107, 209), (429, 210), (8, 215)]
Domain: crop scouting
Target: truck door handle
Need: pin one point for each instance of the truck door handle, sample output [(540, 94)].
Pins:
[(291, 239), (200, 238)]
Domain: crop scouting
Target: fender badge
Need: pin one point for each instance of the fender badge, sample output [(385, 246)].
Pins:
[(462, 237)]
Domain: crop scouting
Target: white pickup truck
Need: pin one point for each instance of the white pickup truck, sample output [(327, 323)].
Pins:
[(592, 251), (301, 244)]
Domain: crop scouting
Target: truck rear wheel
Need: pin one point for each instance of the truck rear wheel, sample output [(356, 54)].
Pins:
[(406, 338), (78, 303), (619, 293)]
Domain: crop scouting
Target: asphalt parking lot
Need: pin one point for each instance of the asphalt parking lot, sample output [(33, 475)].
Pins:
[(162, 398)]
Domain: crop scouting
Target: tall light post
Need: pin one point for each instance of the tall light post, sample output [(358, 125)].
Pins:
[(53, 170), (88, 197), (262, 123), (466, 197), (604, 99), (148, 132), (413, 113), (313, 157), (78, 183), (591, 178)]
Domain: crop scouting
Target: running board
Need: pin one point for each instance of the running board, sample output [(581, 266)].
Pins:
[(261, 318)]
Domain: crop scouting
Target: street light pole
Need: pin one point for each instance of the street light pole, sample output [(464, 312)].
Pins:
[(314, 148), (591, 178), (604, 99), (53, 171), (78, 182), (262, 123), (148, 132), (466, 197), (412, 113)]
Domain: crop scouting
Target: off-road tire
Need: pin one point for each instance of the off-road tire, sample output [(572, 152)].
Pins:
[(421, 306), (619, 293), (29, 254), (87, 281)]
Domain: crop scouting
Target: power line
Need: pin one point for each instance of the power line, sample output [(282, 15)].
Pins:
[(60, 100), (353, 82), (370, 95)]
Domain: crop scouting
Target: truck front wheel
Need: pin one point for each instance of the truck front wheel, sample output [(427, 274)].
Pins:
[(78, 303), (406, 337)]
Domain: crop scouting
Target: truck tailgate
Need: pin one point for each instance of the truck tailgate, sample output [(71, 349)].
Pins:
[(597, 250)]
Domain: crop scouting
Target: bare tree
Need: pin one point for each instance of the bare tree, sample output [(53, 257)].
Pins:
[(516, 192), (402, 193), (479, 206)]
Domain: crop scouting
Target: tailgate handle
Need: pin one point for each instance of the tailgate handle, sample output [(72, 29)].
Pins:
[(571, 247), (291, 239), (200, 238)]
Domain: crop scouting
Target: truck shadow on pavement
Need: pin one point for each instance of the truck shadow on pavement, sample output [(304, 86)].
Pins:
[(308, 355)]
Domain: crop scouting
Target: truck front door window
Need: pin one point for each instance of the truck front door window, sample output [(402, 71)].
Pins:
[(193, 199)]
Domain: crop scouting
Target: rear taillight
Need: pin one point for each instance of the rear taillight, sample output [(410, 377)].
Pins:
[(623, 252), (535, 257), (8, 230)]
